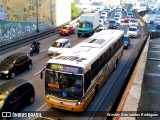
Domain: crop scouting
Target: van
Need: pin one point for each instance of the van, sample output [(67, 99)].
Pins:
[(15, 94), (58, 45)]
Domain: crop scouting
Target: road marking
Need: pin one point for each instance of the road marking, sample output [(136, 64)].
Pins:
[(37, 72), (43, 50), (153, 74), (154, 51), (41, 107), (156, 59)]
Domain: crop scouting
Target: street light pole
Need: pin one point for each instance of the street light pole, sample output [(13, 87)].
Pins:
[(51, 11), (37, 29)]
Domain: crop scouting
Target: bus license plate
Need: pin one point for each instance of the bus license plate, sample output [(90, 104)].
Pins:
[(62, 107)]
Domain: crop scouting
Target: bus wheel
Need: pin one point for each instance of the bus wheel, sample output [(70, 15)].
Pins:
[(115, 66), (96, 89)]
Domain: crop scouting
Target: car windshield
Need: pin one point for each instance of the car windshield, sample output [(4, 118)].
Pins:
[(98, 30), (132, 29), (103, 13), (125, 38), (102, 17), (116, 19), (65, 28), (116, 16), (112, 21), (56, 44), (8, 61), (129, 13), (133, 20), (63, 85), (128, 16)]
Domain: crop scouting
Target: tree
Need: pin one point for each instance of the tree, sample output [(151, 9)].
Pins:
[(74, 11)]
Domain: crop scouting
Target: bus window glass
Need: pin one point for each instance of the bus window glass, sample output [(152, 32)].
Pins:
[(64, 85)]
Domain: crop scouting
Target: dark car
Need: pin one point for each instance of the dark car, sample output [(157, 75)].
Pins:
[(67, 30), (130, 14), (158, 26), (14, 64), (16, 94), (112, 24), (126, 40)]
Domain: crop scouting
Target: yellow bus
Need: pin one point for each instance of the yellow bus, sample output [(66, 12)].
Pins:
[(73, 78)]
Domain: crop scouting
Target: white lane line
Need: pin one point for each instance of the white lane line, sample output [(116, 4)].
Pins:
[(37, 73), (155, 51), (153, 74), (43, 50), (41, 107), (156, 59)]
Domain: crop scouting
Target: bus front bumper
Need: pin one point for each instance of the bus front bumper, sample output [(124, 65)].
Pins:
[(76, 108)]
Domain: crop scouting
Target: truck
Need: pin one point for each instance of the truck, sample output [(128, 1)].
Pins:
[(88, 23)]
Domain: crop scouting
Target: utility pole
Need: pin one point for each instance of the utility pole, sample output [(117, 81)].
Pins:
[(37, 29)]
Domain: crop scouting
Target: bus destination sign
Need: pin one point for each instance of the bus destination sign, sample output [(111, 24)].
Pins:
[(66, 68)]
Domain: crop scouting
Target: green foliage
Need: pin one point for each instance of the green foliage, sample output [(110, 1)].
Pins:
[(75, 12)]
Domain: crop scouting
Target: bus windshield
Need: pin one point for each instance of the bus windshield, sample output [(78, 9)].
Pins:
[(63, 85)]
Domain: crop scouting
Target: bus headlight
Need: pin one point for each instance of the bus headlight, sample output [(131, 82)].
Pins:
[(47, 97), (79, 102)]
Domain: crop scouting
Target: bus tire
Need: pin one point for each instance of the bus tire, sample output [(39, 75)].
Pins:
[(96, 89), (115, 66)]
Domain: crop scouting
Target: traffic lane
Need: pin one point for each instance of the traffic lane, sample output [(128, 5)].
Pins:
[(93, 105), (39, 61), (41, 58)]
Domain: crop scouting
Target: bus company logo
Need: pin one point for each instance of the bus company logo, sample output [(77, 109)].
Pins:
[(6, 114)]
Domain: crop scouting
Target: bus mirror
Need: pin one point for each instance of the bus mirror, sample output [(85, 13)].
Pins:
[(41, 75)]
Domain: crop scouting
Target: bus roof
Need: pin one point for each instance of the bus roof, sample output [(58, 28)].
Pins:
[(86, 52)]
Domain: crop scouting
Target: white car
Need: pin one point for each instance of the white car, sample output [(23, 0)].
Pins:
[(133, 22), (132, 31), (101, 22), (58, 45), (117, 15), (101, 28), (105, 14), (118, 20), (103, 18)]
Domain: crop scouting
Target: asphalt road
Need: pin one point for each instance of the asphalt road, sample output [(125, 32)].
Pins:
[(103, 100)]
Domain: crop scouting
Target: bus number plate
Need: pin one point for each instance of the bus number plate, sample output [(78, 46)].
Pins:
[(62, 107)]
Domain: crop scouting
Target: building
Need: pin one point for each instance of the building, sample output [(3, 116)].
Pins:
[(23, 18)]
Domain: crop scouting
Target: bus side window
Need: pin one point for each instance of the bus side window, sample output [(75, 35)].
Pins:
[(87, 80)]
